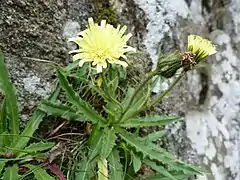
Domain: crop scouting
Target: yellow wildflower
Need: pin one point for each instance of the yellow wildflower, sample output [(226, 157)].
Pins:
[(200, 47), (101, 44)]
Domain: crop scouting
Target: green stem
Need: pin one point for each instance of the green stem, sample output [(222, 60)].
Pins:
[(139, 88), (159, 98)]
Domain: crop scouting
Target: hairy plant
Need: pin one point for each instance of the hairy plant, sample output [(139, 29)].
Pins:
[(116, 151)]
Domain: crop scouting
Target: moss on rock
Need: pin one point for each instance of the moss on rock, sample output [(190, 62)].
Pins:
[(104, 10)]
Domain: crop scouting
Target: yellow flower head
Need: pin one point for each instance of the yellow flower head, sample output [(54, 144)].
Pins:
[(101, 44), (200, 47)]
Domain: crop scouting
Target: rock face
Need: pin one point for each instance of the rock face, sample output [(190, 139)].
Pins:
[(35, 31), (209, 98)]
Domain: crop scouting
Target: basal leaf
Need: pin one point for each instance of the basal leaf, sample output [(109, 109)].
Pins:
[(109, 139), (151, 150), (3, 117), (135, 103), (11, 173), (150, 121), (159, 169), (127, 98), (154, 136), (28, 131), (2, 164), (5, 140), (136, 163), (33, 124), (187, 169), (83, 107), (116, 168), (85, 166), (60, 110), (144, 148), (10, 98), (39, 173), (176, 174), (37, 147)]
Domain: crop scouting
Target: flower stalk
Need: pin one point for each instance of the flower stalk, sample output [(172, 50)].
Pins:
[(160, 97)]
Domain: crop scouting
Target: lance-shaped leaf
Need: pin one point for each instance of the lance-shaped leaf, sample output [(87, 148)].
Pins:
[(85, 166), (60, 110), (83, 107), (33, 124), (142, 147), (151, 151), (109, 139), (3, 117), (159, 169), (10, 98), (154, 136), (116, 168), (39, 173), (134, 103), (136, 163), (40, 146), (150, 121), (37, 147), (176, 174), (11, 173)]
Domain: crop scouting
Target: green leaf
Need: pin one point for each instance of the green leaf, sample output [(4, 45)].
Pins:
[(159, 169), (5, 140), (187, 169), (40, 146), (154, 136), (39, 173), (28, 131), (133, 104), (71, 66), (142, 147), (3, 117), (127, 98), (33, 124), (2, 164), (136, 163), (37, 147), (11, 173), (109, 139), (176, 174), (60, 110), (83, 107), (10, 98), (151, 150), (95, 149), (150, 121), (116, 168)]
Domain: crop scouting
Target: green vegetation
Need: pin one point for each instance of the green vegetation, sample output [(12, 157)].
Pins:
[(115, 149), (95, 91), (19, 158)]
